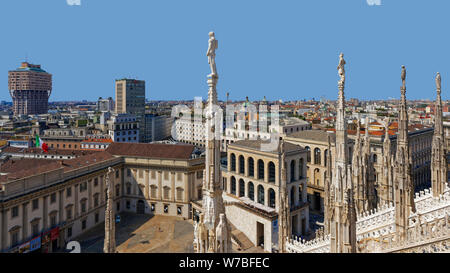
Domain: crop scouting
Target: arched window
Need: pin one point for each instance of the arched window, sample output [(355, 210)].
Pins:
[(241, 164), (325, 157), (260, 169), (261, 194), (233, 185), (292, 170), (271, 198), (375, 158), (241, 188), (251, 191), (300, 168), (317, 154), (251, 167), (271, 172), (233, 162), (293, 196), (308, 154)]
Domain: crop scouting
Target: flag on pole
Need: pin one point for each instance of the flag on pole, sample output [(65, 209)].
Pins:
[(41, 144)]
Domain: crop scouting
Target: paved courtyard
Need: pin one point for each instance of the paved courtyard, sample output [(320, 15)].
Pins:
[(143, 234), (137, 233)]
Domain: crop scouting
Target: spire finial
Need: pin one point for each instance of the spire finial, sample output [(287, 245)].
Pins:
[(438, 82)]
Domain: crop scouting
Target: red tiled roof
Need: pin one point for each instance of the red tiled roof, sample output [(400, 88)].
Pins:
[(21, 168), (16, 165)]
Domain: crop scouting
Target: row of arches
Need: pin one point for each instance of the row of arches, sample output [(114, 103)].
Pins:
[(317, 159), (238, 189), (259, 194), (258, 169)]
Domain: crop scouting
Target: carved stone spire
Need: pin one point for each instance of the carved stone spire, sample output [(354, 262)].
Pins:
[(369, 198), (357, 170), (342, 216), (403, 188), (213, 206), (328, 198), (284, 223), (386, 181), (110, 230), (439, 165)]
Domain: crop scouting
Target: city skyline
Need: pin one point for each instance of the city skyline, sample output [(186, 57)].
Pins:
[(260, 56)]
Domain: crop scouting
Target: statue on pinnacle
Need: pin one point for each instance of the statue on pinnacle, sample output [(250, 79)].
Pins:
[(403, 76), (211, 54), (438, 81), (341, 68)]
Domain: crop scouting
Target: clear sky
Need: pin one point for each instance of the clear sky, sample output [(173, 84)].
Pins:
[(284, 49)]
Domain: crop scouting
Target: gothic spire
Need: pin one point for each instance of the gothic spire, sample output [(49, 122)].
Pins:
[(404, 187), (439, 165), (214, 223)]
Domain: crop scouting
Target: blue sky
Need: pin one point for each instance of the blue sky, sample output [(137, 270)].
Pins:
[(284, 49)]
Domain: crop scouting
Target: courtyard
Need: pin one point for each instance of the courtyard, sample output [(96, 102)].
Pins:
[(139, 233), (142, 233)]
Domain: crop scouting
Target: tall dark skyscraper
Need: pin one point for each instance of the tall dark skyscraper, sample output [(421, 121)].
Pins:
[(30, 87)]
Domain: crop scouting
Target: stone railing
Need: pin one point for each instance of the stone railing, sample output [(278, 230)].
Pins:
[(423, 236), (317, 245), (376, 222), (375, 229)]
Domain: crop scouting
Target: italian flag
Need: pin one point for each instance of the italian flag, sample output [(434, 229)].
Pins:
[(41, 144)]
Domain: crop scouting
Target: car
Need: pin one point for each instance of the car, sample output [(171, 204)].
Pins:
[(117, 218)]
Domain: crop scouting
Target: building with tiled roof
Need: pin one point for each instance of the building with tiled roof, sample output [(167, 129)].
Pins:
[(66, 197)]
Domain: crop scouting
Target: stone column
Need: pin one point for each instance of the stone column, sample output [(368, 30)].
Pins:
[(266, 197), (186, 187), (159, 177), (24, 220), (102, 191), (246, 166), (172, 178), (89, 194), (75, 214), (60, 207), (266, 172), (45, 213), (146, 183), (246, 188), (4, 225), (238, 164)]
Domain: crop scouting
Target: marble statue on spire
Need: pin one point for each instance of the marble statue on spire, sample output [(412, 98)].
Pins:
[(341, 68), (211, 53), (438, 82), (213, 233), (403, 75)]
